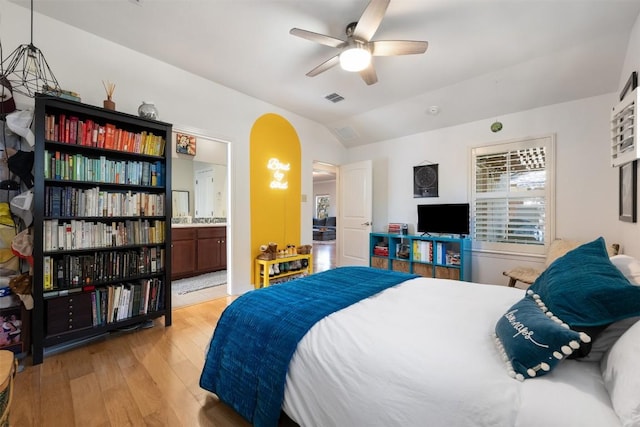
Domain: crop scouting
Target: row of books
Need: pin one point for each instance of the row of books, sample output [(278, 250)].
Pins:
[(434, 252), (73, 130), (76, 167), (70, 271), (119, 302), (423, 250), (80, 234), (72, 201)]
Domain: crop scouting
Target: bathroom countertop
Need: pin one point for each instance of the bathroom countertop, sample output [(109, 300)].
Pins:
[(200, 224)]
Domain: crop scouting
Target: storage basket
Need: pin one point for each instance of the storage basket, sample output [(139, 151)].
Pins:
[(8, 369)]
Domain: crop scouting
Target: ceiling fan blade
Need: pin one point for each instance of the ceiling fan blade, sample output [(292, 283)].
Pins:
[(331, 62), (318, 38), (369, 75), (397, 47), (370, 20)]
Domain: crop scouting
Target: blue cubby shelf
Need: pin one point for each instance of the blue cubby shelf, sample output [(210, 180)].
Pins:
[(441, 257)]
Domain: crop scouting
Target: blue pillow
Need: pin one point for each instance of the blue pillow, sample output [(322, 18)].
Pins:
[(584, 288), (533, 342)]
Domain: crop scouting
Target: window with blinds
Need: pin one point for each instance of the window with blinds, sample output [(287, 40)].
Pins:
[(513, 195), (624, 128)]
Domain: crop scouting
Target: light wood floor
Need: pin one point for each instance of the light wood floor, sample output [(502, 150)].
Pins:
[(324, 255), (144, 378)]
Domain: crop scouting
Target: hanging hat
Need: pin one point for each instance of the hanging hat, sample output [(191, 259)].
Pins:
[(20, 123), (21, 285), (22, 206), (7, 104), (22, 245), (21, 163)]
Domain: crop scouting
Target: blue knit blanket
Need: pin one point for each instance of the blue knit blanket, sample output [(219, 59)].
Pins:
[(256, 336)]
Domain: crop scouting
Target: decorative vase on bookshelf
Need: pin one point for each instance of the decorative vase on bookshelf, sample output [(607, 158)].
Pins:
[(109, 104), (148, 110)]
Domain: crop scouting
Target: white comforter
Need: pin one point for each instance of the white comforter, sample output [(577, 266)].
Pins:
[(422, 354)]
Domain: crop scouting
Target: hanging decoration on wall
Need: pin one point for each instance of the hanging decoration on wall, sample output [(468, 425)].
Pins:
[(628, 170), (28, 70), (425, 181), (628, 190), (185, 144), (497, 125)]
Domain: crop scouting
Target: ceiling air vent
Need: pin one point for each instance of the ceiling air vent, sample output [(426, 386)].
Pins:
[(334, 97)]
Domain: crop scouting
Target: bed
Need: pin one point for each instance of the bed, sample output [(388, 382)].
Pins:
[(406, 350)]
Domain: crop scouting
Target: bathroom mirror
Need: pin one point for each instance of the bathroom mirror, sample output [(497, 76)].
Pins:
[(179, 203), (204, 178)]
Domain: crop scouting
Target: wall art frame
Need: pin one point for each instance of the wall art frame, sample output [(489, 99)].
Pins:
[(185, 144), (425, 181), (628, 192), (631, 84)]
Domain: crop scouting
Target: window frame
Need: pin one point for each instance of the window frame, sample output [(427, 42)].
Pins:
[(549, 142)]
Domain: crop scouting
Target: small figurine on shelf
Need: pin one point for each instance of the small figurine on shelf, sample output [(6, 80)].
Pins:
[(109, 87)]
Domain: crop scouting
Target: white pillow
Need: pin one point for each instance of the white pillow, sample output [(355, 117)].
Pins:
[(629, 266), (621, 376), (607, 338)]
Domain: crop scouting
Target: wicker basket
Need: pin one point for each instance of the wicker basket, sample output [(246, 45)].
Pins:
[(8, 368)]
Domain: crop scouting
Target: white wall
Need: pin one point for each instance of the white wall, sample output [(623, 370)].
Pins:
[(586, 186), (81, 61), (631, 63)]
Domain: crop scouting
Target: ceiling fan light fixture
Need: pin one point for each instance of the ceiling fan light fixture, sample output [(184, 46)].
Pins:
[(355, 59)]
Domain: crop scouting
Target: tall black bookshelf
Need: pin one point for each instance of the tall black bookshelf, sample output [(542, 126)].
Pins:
[(102, 223)]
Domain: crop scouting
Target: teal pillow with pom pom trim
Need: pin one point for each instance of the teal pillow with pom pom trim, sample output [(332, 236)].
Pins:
[(585, 289), (532, 340)]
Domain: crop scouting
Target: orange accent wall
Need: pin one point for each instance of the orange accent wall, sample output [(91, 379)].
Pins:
[(275, 212)]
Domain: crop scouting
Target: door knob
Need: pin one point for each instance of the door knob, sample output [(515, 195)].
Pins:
[(367, 224)]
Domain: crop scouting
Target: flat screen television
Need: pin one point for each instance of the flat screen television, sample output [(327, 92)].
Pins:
[(452, 218)]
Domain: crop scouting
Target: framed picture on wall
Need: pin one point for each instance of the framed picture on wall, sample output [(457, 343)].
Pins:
[(323, 201), (185, 144), (425, 181), (627, 205)]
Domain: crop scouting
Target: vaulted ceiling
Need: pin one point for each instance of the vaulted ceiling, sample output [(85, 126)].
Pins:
[(485, 58)]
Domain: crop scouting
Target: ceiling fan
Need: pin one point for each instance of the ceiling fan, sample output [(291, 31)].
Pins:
[(356, 51)]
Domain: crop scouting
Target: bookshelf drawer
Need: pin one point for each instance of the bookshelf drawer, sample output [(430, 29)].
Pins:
[(60, 325), (77, 302), (68, 313)]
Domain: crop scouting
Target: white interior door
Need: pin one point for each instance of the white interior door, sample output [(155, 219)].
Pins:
[(204, 189), (355, 191)]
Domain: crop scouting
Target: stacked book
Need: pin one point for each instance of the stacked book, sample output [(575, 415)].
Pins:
[(381, 249), (394, 228)]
